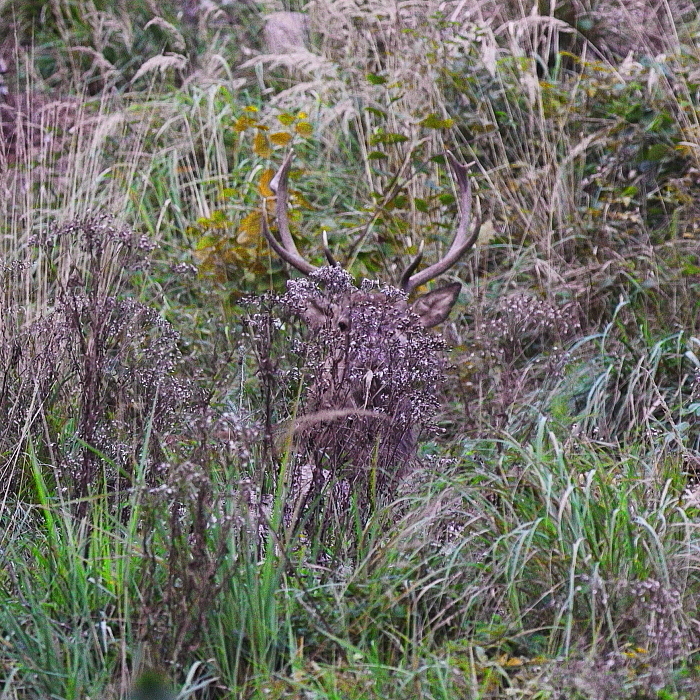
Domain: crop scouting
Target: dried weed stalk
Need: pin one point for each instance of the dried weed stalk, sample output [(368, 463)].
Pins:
[(520, 345), (94, 376)]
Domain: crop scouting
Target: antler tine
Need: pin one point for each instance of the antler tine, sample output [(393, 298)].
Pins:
[(278, 185), (287, 250), (412, 267), (461, 242), (294, 259), (327, 252)]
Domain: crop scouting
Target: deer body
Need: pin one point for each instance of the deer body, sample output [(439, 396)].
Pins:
[(376, 365)]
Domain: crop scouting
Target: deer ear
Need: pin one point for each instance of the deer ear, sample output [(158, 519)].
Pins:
[(434, 307)]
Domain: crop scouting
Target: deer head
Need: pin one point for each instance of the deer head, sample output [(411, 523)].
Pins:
[(375, 365), (431, 308)]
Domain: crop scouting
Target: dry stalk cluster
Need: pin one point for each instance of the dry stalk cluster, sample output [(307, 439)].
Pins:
[(520, 344), (660, 632), (523, 325), (670, 634), (100, 362), (376, 378), (180, 587)]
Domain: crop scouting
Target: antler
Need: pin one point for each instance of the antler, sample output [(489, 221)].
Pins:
[(461, 242), (287, 250)]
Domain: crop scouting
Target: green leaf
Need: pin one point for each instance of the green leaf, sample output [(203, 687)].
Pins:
[(207, 241), (433, 121), (421, 205), (219, 218), (375, 79), (656, 152), (388, 138), (660, 122), (376, 155), (376, 112)]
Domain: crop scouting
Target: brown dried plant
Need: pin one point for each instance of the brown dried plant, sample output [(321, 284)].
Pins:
[(90, 374)]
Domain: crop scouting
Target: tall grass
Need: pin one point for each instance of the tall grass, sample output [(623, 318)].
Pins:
[(545, 545)]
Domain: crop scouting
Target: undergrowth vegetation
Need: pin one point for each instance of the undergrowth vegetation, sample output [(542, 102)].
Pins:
[(537, 536)]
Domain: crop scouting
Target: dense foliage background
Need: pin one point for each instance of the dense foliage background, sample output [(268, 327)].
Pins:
[(547, 546)]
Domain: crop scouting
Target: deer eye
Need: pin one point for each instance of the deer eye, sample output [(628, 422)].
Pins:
[(343, 325)]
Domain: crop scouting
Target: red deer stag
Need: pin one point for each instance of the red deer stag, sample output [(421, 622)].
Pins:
[(376, 368)]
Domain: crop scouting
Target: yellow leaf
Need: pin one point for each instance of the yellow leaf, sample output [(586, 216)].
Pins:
[(301, 201), (304, 129), (433, 121), (251, 108), (264, 183), (285, 119), (261, 146), (219, 219), (243, 123), (249, 229), (302, 115), (205, 261), (280, 138), (234, 257)]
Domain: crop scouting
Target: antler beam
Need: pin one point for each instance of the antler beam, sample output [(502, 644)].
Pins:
[(287, 250), (462, 241)]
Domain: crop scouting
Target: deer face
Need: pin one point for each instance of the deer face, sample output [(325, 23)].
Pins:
[(371, 333), (428, 310)]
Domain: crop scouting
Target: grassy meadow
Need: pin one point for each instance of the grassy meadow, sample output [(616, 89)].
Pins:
[(546, 545)]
